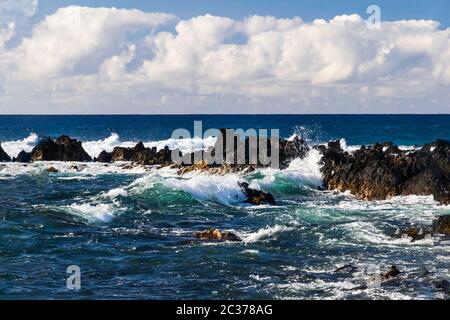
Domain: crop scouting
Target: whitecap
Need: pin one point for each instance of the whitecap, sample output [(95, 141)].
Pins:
[(13, 148), (264, 233)]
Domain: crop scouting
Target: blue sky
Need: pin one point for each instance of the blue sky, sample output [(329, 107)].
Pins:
[(223, 56), (308, 10)]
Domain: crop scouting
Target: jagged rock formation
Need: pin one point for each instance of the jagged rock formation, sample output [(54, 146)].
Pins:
[(256, 197), (62, 149), (139, 154), (383, 171), (24, 157), (3, 155)]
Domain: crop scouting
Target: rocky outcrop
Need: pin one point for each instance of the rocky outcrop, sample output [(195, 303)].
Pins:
[(256, 197), (291, 150), (62, 149), (442, 225), (288, 151), (3, 155), (139, 154), (105, 157), (24, 157), (216, 234), (383, 171)]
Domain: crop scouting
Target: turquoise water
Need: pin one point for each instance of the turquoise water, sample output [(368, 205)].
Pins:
[(130, 231)]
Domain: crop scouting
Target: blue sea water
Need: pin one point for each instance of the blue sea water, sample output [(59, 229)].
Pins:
[(130, 231)]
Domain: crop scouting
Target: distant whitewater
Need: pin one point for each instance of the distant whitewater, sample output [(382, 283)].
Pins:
[(130, 229)]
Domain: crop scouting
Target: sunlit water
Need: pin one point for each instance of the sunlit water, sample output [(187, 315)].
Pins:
[(130, 231)]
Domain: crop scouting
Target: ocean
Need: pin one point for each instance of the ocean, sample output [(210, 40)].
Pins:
[(130, 231)]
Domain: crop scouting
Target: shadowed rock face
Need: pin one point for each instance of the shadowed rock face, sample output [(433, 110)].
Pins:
[(442, 225), (105, 157), (384, 171), (288, 151), (256, 197), (24, 157), (61, 149), (139, 154), (3, 155)]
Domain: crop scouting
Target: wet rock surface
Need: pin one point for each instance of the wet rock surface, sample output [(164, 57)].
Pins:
[(62, 149), (24, 157), (217, 235), (256, 197), (4, 157), (383, 171)]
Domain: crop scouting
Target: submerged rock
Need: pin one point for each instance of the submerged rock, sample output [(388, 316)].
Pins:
[(3, 155), (62, 149), (348, 268), (256, 197), (442, 225), (24, 157), (52, 170), (381, 171), (216, 234), (392, 273)]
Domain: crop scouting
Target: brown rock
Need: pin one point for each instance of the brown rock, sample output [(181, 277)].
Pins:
[(216, 234)]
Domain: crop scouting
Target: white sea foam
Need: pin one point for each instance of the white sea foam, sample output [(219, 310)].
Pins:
[(264, 233), (94, 148), (304, 171), (104, 212), (221, 189), (13, 148)]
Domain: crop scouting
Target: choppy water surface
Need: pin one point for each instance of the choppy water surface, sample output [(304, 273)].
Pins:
[(130, 231)]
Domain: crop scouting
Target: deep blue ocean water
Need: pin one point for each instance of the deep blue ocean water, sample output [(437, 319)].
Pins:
[(130, 231)]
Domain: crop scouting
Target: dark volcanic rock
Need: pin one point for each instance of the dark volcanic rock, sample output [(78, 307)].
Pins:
[(24, 157), (442, 225), (122, 154), (262, 147), (392, 273), (52, 170), (256, 197), (105, 157), (4, 156), (142, 155), (290, 150), (62, 149), (383, 171), (216, 234)]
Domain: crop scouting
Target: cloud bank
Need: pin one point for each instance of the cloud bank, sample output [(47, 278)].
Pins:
[(108, 60)]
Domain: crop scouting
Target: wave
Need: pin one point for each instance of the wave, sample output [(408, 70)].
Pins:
[(13, 148), (94, 148), (264, 233)]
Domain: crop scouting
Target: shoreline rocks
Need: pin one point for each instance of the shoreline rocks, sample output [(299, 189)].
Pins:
[(4, 157), (383, 171), (62, 149), (442, 225), (256, 197)]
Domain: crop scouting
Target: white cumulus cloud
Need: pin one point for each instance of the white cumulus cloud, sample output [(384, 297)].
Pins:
[(120, 60)]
